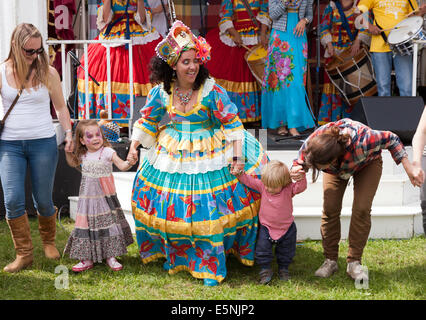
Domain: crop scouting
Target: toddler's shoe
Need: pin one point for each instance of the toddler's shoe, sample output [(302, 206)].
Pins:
[(83, 266), (284, 275), (265, 276), (327, 269), (114, 264)]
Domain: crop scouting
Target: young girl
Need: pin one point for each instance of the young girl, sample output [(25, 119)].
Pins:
[(101, 230), (276, 217)]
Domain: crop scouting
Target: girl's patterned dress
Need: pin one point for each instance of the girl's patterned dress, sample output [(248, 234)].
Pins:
[(284, 98), (187, 206), (101, 231), (123, 25), (228, 65), (333, 107)]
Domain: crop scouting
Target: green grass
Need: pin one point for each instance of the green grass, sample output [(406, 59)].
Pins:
[(397, 270)]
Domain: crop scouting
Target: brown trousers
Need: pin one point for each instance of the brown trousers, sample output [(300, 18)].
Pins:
[(365, 183)]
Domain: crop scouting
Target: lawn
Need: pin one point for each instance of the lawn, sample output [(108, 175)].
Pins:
[(397, 270)]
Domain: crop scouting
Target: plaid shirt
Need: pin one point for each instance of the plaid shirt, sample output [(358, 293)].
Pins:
[(366, 145)]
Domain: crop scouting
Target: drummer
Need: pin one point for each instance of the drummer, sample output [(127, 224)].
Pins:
[(337, 34), (386, 15)]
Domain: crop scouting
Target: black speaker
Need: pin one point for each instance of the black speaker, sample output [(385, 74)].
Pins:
[(67, 180), (400, 115)]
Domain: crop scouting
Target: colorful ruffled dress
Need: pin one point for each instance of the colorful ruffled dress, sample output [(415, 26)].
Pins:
[(101, 230), (228, 65), (187, 206), (333, 106), (284, 97), (123, 24)]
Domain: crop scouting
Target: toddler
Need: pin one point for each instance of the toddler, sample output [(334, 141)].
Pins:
[(276, 219)]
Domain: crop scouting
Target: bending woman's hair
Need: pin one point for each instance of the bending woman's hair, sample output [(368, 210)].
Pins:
[(324, 148), (161, 72)]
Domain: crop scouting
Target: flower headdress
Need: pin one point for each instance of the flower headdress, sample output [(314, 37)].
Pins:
[(179, 39)]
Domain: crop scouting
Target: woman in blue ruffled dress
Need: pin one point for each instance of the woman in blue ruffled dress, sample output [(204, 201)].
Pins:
[(284, 100), (187, 206)]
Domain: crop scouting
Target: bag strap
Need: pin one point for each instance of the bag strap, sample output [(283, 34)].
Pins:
[(252, 17), (11, 106), (18, 95)]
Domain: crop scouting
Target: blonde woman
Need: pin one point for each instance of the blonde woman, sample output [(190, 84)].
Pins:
[(28, 140), (276, 219)]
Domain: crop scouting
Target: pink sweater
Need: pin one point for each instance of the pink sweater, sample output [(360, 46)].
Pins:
[(276, 210)]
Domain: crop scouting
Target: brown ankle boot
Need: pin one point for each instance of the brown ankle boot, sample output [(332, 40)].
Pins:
[(47, 229), (21, 235)]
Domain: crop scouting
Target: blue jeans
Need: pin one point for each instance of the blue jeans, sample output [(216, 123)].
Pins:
[(403, 65), (41, 157), (285, 248)]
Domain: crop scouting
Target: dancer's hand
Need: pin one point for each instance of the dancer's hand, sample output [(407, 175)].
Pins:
[(330, 49), (132, 156), (264, 41), (237, 168), (300, 28), (235, 36), (355, 47)]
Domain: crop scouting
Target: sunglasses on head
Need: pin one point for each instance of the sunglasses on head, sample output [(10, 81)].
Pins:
[(30, 52)]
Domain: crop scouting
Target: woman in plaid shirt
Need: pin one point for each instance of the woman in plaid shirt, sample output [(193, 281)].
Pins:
[(345, 149)]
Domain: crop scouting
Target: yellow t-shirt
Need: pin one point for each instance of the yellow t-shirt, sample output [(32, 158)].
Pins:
[(388, 13)]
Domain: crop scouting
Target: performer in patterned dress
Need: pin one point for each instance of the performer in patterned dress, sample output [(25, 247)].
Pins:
[(187, 206), (119, 19), (228, 65), (338, 32), (284, 97)]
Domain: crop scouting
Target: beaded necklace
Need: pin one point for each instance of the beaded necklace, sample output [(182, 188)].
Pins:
[(183, 97)]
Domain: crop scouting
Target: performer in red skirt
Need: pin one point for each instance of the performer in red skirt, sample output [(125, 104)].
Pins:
[(238, 28), (119, 19)]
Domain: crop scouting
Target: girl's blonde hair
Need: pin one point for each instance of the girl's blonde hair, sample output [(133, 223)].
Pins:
[(22, 33), (80, 149), (275, 174)]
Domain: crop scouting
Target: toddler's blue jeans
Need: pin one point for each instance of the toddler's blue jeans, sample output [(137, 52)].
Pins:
[(285, 248)]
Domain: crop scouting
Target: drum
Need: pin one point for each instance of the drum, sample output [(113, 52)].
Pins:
[(352, 76), (256, 59), (401, 38)]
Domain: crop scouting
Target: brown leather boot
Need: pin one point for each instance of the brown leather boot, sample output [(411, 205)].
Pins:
[(47, 229), (21, 235)]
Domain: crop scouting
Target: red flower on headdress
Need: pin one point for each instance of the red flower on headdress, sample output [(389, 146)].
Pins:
[(203, 49)]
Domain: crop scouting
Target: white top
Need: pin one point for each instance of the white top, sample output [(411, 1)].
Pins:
[(30, 118), (159, 19)]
